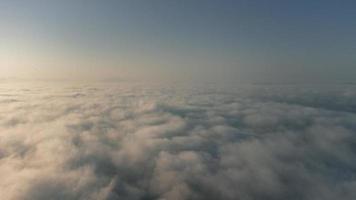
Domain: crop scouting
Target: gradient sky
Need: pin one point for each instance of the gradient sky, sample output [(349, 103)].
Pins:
[(230, 40)]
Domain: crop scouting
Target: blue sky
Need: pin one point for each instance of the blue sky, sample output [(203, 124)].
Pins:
[(217, 40)]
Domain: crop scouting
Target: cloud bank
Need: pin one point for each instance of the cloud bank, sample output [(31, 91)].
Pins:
[(134, 141)]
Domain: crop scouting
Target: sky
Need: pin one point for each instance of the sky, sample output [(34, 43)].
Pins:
[(227, 40)]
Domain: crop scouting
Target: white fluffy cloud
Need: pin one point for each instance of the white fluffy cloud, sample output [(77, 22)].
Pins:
[(133, 141)]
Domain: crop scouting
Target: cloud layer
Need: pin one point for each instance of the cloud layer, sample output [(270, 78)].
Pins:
[(133, 141)]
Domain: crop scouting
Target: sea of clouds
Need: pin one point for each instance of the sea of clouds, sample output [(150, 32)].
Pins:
[(106, 141)]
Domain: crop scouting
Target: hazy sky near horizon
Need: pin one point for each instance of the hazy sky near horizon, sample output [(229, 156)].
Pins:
[(218, 40)]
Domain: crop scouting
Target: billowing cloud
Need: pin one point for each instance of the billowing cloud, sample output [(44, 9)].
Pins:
[(133, 141)]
